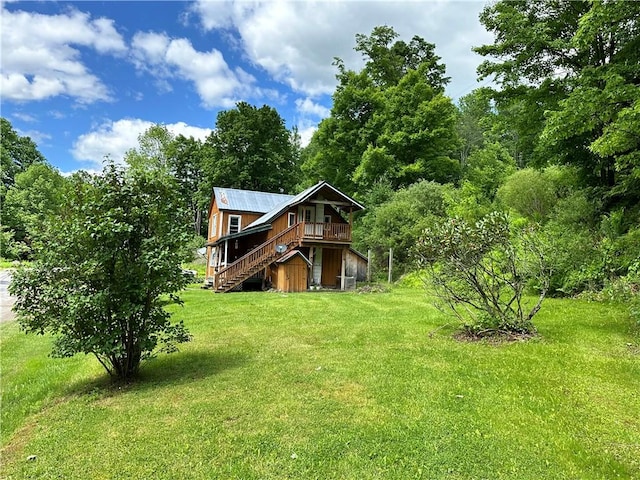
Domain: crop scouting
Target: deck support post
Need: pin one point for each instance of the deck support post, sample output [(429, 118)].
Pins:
[(343, 269)]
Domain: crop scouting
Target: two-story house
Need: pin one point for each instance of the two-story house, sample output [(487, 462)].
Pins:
[(288, 242)]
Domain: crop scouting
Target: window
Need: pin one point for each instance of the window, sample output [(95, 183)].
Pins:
[(234, 224), (214, 225), (213, 257), (292, 219), (327, 219)]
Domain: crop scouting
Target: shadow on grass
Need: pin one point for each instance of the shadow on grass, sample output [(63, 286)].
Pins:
[(173, 369)]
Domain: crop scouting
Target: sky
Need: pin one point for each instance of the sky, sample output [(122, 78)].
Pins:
[(85, 79)]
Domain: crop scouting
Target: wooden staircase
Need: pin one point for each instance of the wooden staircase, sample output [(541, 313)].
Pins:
[(234, 274)]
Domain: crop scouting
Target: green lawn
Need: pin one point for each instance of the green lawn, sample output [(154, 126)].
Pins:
[(334, 385)]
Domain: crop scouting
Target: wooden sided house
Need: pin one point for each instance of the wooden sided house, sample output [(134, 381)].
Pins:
[(290, 243)]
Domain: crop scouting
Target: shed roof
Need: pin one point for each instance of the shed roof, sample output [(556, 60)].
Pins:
[(247, 200), (289, 255)]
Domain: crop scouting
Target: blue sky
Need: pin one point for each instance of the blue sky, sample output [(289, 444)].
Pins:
[(84, 79)]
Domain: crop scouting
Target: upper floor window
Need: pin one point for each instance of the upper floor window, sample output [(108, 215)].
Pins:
[(234, 223), (214, 225), (291, 219)]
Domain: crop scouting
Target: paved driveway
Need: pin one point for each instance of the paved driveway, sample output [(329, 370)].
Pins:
[(6, 300)]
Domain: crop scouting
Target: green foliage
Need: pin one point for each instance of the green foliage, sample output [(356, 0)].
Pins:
[(16, 154), (397, 223), (467, 202), (184, 159), (480, 272), (104, 267), (387, 63), (252, 149), (529, 193), (577, 62), (390, 122), (188, 162), (626, 289), (488, 167), (36, 194), (476, 120)]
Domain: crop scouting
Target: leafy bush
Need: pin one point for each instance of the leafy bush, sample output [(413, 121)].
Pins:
[(528, 193), (398, 222), (480, 272), (99, 282)]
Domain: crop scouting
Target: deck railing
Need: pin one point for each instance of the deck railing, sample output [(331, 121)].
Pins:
[(328, 232)]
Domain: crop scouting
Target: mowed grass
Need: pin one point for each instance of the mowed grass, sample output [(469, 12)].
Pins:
[(334, 386)]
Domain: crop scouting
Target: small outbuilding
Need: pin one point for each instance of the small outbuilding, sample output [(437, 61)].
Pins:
[(291, 272)]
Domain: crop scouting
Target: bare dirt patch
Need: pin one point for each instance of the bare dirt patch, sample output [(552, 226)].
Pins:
[(495, 338)]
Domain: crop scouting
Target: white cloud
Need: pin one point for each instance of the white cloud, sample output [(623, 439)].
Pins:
[(39, 138), (114, 139), (40, 58), (309, 107), (25, 117), (310, 112), (306, 131), (164, 57), (296, 42)]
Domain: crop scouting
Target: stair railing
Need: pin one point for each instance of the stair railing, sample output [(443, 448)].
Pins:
[(236, 271)]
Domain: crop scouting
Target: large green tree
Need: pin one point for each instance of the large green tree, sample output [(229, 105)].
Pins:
[(36, 195), (570, 71), (105, 267), (183, 158), (251, 148), (188, 167), (389, 122), (16, 154)]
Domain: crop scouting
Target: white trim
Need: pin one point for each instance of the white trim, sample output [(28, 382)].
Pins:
[(291, 219), (232, 217), (214, 226)]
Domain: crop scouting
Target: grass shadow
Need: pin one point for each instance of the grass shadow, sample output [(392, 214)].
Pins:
[(172, 369)]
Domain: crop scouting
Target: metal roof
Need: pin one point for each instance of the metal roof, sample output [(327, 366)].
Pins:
[(247, 200)]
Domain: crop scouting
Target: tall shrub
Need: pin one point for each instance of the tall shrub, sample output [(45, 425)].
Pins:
[(480, 272), (109, 263)]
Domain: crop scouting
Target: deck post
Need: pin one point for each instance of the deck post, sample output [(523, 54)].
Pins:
[(350, 222), (343, 268), (312, 251)]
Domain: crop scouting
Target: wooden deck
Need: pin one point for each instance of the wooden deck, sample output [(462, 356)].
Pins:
[(326, 232)]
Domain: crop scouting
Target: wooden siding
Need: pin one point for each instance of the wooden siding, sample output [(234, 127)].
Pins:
[(335, 216), (291, 276), (356, 266), (280, 224), (331, 265)]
